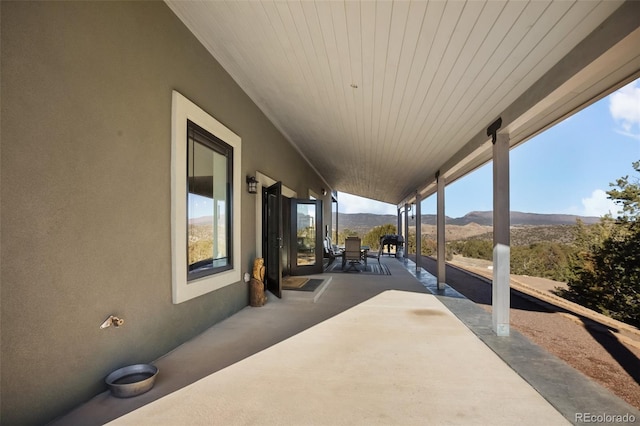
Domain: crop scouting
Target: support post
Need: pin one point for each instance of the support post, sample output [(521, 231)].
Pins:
[(501, 238), (440, 237), (406, 231), (418, 232), (337, 216)]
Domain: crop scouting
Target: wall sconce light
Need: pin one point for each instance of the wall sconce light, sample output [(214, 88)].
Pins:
[(324, 192), (252, 183)]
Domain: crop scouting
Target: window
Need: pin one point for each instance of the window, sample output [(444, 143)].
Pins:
[(205, 161), (209, 213)]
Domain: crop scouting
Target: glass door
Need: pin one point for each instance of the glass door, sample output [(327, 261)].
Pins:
[(306, 237)]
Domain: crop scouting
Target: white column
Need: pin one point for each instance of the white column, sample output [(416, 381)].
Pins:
[(440, 225), (418, 232), (501, 249), (406, 230)]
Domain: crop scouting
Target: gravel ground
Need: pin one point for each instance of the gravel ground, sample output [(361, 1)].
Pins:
[(593, 350)]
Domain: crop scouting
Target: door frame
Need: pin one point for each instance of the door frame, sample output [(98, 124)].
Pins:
[(318, 266)]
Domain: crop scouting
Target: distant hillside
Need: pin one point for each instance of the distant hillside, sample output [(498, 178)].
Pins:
[(529, 234), (523, 219), (526, 228), (366, 221)]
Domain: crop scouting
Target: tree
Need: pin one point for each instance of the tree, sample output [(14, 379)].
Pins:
[(627, 197), (429, 247), (372, 238), (543, 259), (607, 269), (342, 236), (410, 242)]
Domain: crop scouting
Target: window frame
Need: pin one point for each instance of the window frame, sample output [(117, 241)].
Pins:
[(203, 137), (184, 110)]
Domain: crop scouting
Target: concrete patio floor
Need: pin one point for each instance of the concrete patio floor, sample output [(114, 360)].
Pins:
[(371, 349)]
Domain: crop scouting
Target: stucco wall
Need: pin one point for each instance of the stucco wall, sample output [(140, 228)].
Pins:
[(85, 188)]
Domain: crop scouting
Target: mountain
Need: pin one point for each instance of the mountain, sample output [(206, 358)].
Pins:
[(360, 221), (363, 222), (202, 220), (523, 219)]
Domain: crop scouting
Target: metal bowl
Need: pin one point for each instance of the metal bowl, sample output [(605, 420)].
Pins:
[(132, 380)]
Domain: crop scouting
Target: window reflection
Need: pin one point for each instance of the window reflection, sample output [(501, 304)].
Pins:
[(306, 234), (207, 204)]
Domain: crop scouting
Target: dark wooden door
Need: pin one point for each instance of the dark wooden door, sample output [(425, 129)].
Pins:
[(272, 228)]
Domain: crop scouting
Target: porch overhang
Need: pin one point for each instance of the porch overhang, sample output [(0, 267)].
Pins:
[(606, 60), (379, 96)]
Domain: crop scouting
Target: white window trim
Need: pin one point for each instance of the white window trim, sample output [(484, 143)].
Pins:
[(182, 110)]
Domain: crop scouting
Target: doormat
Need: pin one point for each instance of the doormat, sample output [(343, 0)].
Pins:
[(308, 285), (372, 269), (291, 283)]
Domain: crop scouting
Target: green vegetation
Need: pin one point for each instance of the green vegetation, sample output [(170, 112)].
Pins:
[(200, 250), (600, 262), (371, 238), (607, 268), (428, 247), (544, 259), (527, 235), (474, 247), (342, 235), (200, 245)]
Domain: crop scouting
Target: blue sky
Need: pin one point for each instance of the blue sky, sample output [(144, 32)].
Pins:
[(566, 169)]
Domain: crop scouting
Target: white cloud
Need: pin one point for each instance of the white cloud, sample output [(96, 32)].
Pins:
[(624, 106), (348, 203), (598, 204), (630, 134)]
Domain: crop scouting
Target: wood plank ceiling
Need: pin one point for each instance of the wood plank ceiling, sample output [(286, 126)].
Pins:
[(378, 95)]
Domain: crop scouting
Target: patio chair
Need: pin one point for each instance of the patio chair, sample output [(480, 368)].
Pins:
[(326, 248), (330, 251), (333, 248), (377, 255), (352, 253)]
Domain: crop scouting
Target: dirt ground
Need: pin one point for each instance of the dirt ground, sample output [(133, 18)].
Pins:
[(606, 357)]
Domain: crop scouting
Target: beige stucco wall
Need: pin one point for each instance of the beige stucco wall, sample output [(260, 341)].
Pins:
[(85, 189)]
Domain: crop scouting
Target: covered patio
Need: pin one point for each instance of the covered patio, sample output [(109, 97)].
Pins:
[(395, 100), (370, 349), (410, 95)]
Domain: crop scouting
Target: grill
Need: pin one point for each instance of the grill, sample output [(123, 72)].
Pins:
[(392, 240)]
